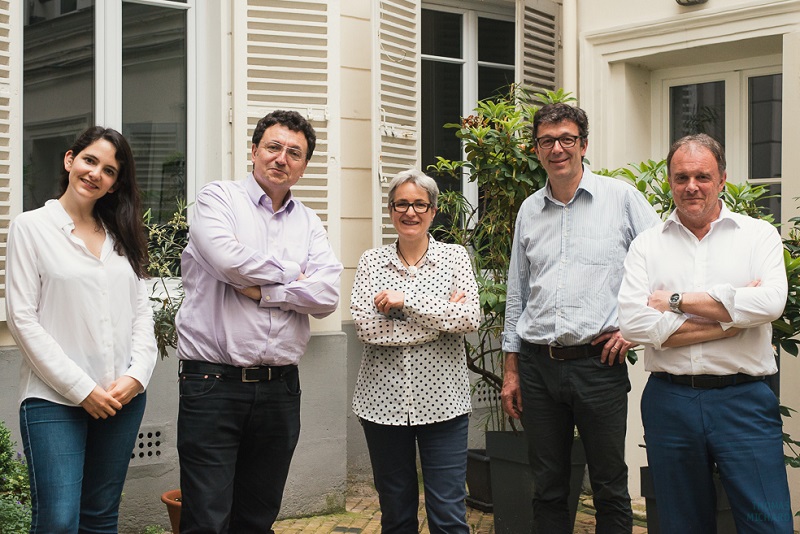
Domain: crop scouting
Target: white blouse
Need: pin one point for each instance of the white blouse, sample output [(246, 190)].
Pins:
[(79, 321), (414, 368)]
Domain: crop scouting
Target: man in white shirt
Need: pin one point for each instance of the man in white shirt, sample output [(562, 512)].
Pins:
[(700, 292)]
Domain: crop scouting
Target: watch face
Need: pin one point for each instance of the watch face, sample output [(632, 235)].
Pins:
[(674, 298)]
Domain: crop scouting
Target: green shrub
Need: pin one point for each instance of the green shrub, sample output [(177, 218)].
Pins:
[(15, 493)]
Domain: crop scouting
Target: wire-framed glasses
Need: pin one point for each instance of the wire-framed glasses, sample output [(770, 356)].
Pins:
[(275, 148)]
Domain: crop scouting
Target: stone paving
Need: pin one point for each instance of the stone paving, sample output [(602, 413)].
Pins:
[(363, 517)]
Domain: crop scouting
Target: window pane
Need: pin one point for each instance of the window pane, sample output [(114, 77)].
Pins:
[(441, 34), (154, 102), (493, 81), (765, 126), (496, 41), (58, 91), (698, 108), (441, 104)]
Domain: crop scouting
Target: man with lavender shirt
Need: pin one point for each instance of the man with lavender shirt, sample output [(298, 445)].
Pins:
[(257, 265)]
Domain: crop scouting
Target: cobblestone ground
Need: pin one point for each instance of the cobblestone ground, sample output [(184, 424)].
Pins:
[(363, 517)]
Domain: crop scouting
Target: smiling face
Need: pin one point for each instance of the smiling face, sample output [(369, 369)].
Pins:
[(275, 170), (696, 183), (563, 165), (92, 172), (411, 225)]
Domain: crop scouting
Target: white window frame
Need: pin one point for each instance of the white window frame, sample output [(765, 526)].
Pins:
[(469, 34), (735, 75)]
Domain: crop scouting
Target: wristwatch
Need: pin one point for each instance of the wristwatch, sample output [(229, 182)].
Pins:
[(675, 302)]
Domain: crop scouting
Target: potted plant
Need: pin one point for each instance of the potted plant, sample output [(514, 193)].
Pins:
[(500, 159), (166, 242)]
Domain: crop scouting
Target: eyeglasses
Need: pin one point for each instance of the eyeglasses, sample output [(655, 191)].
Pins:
[(295, 154), (402, 207), (566, 141)]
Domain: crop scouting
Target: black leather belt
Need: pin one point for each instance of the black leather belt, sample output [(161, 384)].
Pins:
[(245, 374), (708, 381), (575, 352)]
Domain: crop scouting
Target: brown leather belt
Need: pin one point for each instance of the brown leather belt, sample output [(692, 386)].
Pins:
[(574, 352), (708, 381)]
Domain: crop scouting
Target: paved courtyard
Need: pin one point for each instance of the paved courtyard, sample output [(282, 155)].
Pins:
[(363, 517)]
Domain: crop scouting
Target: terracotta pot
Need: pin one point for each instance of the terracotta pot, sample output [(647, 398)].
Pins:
[(172, 499)]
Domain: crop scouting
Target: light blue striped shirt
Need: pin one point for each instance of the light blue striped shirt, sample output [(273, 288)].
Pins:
[(566, 262)]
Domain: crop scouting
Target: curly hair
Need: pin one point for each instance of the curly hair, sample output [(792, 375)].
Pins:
[(560, 112), (291, 120)]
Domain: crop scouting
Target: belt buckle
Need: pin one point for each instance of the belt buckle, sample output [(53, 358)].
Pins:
[(550, 352), (244, 374)]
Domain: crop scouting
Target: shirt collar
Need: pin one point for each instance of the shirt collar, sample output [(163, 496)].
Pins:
[(60, 216), (260, 198), (588, 183), (725, 214), (433, 256)]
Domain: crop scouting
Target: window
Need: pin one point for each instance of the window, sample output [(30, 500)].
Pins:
[(741, 109), (73, 79), (466, 56)]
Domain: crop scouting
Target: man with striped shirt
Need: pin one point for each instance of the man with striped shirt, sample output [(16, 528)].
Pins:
[(565, 358)]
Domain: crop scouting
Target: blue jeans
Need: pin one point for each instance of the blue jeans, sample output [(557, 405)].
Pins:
[(235, 443), (738, 427), (443, 456), (558, 396), (77, 464)]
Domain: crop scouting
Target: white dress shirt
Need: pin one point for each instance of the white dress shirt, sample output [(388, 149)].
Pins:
[(736, 251), (79, 321), (414, 368)]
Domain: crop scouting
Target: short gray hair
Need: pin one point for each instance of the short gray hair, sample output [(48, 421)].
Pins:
[(418, 178)]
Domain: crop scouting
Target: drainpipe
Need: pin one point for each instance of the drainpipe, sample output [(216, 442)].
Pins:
[(569, 46)]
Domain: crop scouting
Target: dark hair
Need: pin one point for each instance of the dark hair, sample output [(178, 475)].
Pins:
[(703, 140), (289, 119), (119, 210), (560, 112)]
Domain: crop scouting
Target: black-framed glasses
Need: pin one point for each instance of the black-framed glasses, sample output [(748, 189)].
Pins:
[(566, 141), (402, 206), (275, 148)]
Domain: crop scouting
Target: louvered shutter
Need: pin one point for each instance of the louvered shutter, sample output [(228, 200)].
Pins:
[(538, 33), (6, 92), (398, 111), (288, 45)]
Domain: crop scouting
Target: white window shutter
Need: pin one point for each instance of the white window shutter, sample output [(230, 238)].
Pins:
[(288, 47), (538, 45), (398, 66), (5, 142)]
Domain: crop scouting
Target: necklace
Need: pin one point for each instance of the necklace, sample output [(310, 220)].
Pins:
[(412, 269)]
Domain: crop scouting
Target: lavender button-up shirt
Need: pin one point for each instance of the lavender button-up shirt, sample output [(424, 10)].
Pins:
[(237, 240)]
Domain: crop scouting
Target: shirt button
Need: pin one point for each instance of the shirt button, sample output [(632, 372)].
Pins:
[(266, 298)]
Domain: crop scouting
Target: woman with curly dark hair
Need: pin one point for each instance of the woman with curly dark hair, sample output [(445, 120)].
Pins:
[(78, 307)]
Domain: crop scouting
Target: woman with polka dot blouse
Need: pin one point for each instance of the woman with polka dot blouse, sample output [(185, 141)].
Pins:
[(412, 303)]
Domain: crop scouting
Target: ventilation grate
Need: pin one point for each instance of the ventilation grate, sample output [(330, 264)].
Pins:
[(149, 446)]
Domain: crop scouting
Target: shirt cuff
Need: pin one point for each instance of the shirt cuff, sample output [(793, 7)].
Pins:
[(665, 327), (725, 294)]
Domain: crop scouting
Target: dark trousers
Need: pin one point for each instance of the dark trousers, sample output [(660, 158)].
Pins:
[(738, 427), (235, 443), (443, 457), (556, 397)]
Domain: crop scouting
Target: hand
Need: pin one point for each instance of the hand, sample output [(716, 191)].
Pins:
[(615, 348), (659, 300), (388, 299), (100, 405), (458, 296), (125, 388), (252, 292), (511, 394)]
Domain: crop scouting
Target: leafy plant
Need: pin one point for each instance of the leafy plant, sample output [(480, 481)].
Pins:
[(15, 511), (166, 242), (498, 143)]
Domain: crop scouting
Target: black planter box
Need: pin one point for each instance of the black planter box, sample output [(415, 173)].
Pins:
[(512, 486), (725, 524), (479, 480)]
